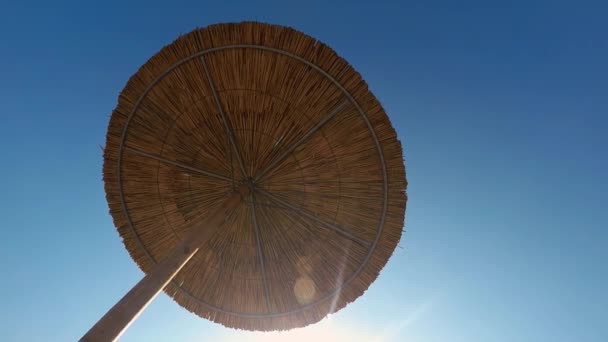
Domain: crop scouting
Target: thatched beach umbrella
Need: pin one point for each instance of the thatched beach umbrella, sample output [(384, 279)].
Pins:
[(253, 177)]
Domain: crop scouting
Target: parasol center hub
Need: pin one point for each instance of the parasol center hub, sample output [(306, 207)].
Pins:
[(248, 183)]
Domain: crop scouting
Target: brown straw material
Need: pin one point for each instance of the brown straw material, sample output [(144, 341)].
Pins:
[(276, 109)]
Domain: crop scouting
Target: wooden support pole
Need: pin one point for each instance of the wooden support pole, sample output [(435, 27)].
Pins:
[(120, 316)]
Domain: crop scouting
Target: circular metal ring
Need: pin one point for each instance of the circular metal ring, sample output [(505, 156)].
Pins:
[(350, 99)]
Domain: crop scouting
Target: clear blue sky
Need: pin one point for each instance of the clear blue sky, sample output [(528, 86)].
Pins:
[(502, 109)]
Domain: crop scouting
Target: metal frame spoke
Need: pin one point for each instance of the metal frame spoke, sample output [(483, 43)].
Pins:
[(258, 239), (178, 164), (227, 127), (313, 217), (295, 145)]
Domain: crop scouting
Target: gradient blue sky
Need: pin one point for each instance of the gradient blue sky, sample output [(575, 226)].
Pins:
[(502, 108)]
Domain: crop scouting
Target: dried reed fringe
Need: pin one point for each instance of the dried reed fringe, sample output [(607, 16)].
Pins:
[(271, 100)]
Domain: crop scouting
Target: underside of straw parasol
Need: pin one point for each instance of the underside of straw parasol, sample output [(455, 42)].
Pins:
[(271, 108)]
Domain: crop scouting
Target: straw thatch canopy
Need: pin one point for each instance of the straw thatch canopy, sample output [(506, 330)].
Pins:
[(271, 107)]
